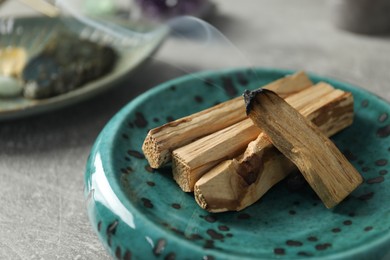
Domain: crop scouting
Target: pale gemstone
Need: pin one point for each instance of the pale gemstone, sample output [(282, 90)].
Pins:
[(10, 87)]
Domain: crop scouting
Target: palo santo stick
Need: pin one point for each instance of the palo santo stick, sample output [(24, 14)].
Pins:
[(236, 184), (223, 188), (161, 141), (191, 161), (324, 167)]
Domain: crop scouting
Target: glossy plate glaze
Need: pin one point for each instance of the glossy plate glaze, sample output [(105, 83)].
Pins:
[(141, 213), (32, 33)]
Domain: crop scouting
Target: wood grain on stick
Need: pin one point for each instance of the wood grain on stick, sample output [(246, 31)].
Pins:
[(238, 183), (190, 162), (161, 141), (324, 167)]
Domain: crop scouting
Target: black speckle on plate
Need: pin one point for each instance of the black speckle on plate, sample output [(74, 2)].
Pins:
[(383, 132), (159, 247)]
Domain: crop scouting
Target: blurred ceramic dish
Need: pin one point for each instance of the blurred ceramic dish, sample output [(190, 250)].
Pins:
[(361, 16), (33, 32), (141, 213)]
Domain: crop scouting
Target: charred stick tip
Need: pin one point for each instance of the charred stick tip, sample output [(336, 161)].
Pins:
[(248, 98), (250, 95)]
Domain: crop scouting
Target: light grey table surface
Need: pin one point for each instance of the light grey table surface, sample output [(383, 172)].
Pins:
[(42, 158)]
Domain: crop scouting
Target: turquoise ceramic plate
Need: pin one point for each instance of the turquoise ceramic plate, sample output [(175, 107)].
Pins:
[(139, 213), (32, 33)]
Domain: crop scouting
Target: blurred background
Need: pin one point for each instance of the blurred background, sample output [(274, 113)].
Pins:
[(42, 157)]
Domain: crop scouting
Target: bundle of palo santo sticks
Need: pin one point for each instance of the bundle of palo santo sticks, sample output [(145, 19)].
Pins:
[(231, 154)]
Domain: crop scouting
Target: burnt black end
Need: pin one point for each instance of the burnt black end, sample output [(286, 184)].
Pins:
[(248, 98)]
